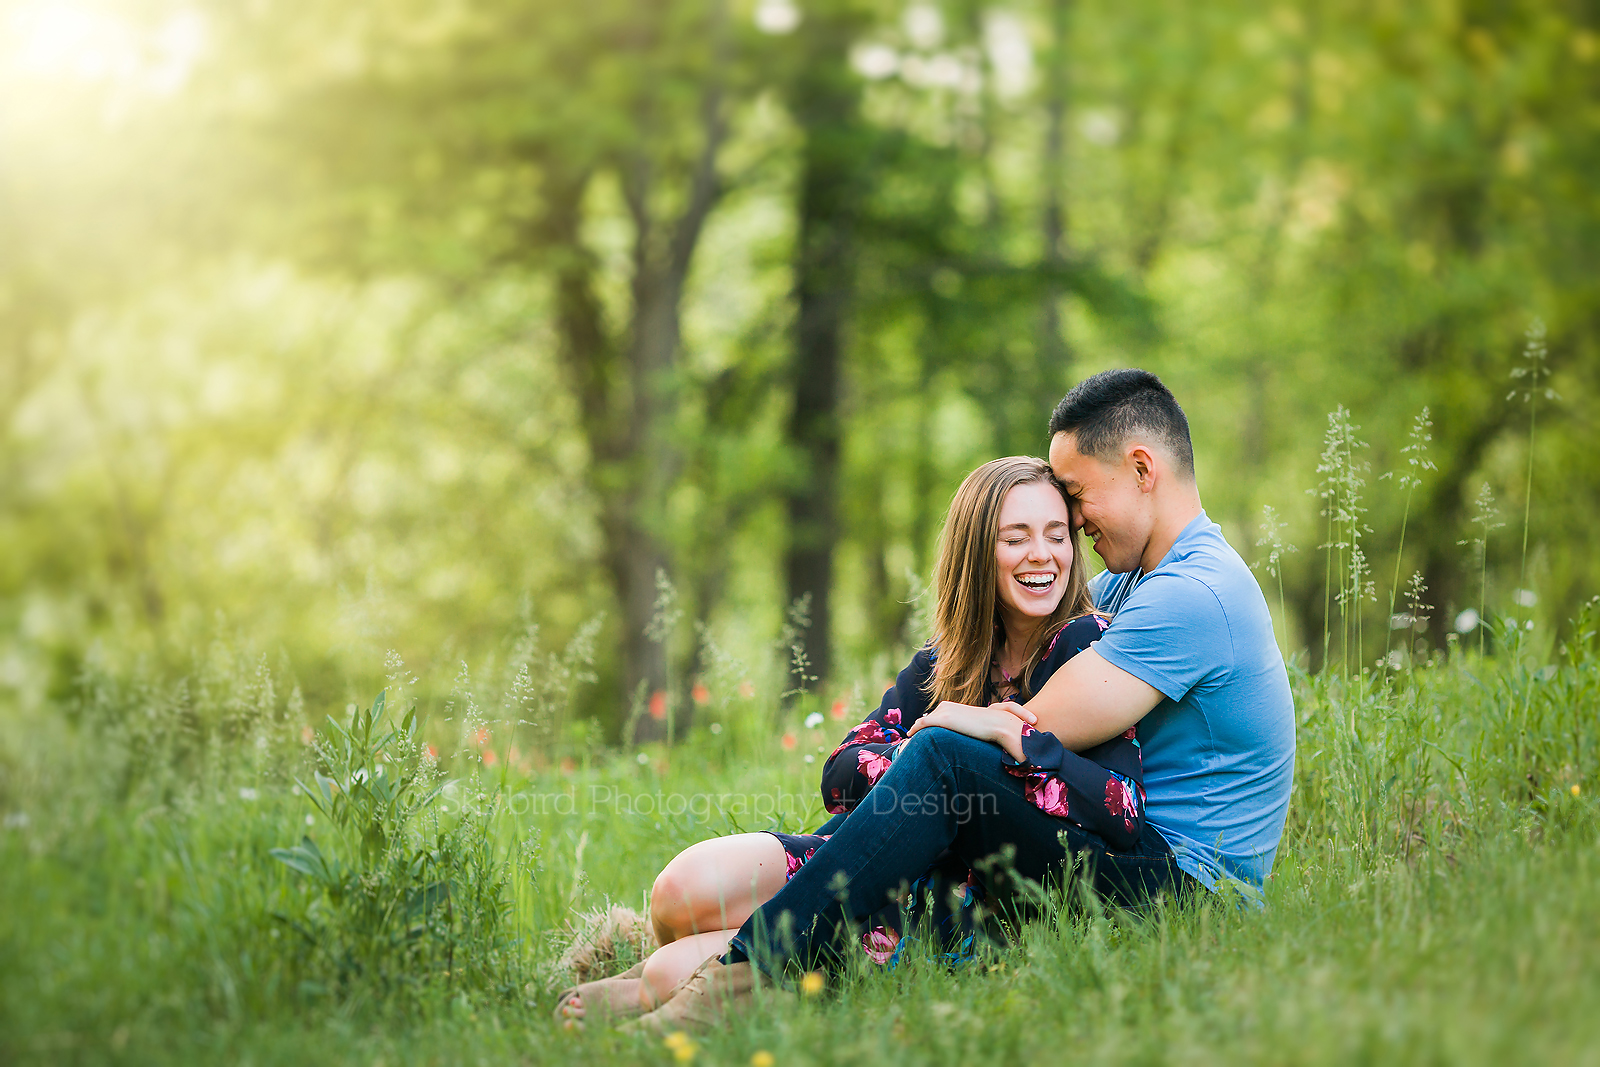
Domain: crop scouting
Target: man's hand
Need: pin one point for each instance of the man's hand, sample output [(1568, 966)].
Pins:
[(994, 724)]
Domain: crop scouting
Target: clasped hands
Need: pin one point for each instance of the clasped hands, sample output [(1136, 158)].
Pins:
[(1000, 723)]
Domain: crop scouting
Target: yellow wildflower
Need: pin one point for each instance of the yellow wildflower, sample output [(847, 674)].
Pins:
[(812, 983)]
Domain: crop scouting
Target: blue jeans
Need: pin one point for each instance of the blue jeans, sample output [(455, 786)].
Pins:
[(945, 795)]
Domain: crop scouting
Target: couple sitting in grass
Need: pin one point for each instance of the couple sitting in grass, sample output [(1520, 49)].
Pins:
[(1139, 725)]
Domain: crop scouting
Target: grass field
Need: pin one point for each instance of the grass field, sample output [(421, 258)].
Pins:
[(1434, 900)]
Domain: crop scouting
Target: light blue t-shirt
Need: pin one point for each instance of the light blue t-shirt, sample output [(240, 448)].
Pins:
[(1219, 750)]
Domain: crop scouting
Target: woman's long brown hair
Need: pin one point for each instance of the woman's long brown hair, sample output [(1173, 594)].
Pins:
[(966, 615)]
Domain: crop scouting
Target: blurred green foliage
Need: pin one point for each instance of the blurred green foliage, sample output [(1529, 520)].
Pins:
[(388, 324)]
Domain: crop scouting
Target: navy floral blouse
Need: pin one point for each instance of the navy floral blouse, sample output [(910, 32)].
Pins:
[(1100, 789)]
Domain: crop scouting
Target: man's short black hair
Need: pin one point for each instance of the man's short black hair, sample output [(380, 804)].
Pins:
[(1104, 410)]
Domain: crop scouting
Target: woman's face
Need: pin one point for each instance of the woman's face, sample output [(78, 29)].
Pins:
[(1033, 550)]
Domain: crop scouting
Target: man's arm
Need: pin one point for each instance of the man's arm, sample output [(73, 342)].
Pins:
[(1089, 701)]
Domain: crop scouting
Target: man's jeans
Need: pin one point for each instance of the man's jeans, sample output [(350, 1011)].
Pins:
[(944, 791)]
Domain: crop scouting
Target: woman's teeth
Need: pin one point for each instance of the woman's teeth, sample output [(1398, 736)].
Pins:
[(1037, 582)]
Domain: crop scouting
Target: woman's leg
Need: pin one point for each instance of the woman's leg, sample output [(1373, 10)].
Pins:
[(671, 964), (715, 885), (699, 899)]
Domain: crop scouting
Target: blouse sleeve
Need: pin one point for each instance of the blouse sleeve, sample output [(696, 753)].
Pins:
[(1102, 789), (868, 749)]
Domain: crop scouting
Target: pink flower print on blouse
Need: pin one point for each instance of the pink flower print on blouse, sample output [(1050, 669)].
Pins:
[(879, 944), (1043, 790), (872, 766), (892, 716), (1122, 800), (1047, 793), (867, 733), (794, 862)]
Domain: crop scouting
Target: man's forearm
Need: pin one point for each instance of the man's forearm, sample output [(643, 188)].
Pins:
[(1089, 701)]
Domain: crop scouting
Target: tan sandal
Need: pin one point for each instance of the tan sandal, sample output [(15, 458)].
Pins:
[(703, 1000)]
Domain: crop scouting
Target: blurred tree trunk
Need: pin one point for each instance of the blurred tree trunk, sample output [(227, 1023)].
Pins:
[(733, 402), (825, 100), (627, 390), (591, 362), (1053, 353)]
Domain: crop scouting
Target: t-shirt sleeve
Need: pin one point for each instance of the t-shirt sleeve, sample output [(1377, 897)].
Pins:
[(1171, 634)]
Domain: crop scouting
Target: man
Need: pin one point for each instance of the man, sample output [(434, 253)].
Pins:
[(1189, 658)]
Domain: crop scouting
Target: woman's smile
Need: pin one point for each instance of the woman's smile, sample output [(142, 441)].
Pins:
[(1037, 583)]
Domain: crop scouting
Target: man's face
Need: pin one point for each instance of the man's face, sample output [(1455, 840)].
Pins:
[(1107, 503)]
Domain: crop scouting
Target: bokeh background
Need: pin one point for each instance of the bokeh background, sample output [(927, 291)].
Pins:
[(670, 327)]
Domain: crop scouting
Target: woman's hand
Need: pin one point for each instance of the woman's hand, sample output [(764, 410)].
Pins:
[(994, 724), (1013, 708)]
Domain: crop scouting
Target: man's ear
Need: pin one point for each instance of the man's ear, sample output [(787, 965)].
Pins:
[(1143, 462)]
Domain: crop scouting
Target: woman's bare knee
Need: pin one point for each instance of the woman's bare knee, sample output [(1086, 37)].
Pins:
[(678, 899), (671, 912), (715, 885)]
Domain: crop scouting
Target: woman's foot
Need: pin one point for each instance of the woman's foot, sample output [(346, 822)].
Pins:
[(645, 987)]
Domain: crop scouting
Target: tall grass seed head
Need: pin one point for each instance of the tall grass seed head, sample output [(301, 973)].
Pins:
[(1528, 375)]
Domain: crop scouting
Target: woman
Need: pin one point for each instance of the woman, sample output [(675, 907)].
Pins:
[(1012, 606)]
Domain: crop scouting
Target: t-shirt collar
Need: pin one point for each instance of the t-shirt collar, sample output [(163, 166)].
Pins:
[(1196, 524)]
